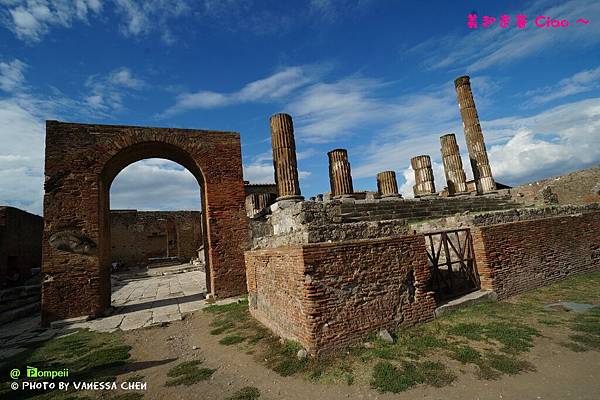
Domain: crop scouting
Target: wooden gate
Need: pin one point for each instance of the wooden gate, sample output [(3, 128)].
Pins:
[(452, 263)]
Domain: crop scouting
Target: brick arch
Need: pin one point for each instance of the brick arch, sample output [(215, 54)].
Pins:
[(81, 163)]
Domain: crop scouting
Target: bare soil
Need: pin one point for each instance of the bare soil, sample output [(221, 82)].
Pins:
[(560, 373)]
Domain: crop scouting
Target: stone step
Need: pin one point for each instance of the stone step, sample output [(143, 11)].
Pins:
[(19, 292), (476, 297), (20, 302), (16, 313)]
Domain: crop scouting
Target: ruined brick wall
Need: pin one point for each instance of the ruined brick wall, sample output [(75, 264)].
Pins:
[(81, 163), (139, 235), (276, 291), (323, 221), (20, 243), (519, 256), (579, 187), (330, 295)]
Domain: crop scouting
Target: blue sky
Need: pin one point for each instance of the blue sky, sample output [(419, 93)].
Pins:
[(375, 77)]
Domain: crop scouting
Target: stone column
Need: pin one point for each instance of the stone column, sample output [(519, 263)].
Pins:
[(284, 157), (386, 183), (340, 178), (480, 164), (423, 176), (455, 175)]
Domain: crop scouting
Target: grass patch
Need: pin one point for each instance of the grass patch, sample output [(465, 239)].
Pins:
[(466, 354), (508, 364), (188, 373), (587, 331), (232, 339), (514, 338), (473, 331), (245, 393), (389, 378)]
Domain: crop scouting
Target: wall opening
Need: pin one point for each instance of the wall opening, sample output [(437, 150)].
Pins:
[(157, 253)]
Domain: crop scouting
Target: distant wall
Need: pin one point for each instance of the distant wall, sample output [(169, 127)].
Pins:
[(330, 295), (579, 187), (139, 235), (20, 243), (518, 256)]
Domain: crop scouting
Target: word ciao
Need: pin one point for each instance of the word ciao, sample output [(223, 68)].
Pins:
[(520, 21)]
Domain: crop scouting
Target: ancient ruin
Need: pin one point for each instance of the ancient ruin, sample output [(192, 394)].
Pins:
[(340, 178), (387, 185), (284, 157), (424, 181), (324, 272), (482, 173), (453, 168), (81, 163)]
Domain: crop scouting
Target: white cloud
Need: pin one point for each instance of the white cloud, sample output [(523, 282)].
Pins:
[(484, 48), (140, 18), (107, 93), (581, 82), (259, 172), (21, 157), (30, 20), (260, 169), (155, 184), (558, 139), (274, 87), (11, 75), (325, 111)]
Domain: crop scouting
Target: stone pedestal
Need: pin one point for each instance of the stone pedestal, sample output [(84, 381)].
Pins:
[(284, 157), (453, 168), (387, 186), (480, 164), (424, 182), (340, 177)]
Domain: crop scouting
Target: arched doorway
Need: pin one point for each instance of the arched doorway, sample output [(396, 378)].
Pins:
[(81, 164), (156, 243)]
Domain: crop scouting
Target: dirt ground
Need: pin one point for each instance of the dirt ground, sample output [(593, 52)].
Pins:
[(560, 373)]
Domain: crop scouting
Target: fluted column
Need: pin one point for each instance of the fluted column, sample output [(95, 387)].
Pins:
[(284, 157), (387, 184), (480, 164), (340, 178), (453, 168), (424, 183)]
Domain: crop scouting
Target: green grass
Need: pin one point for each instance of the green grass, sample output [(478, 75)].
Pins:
[(89, 356), (188, 373), (245, 393), (232, 339), (466, 354), (389, 378)]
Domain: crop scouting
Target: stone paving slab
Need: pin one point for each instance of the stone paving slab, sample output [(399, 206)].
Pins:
[(137, 303)]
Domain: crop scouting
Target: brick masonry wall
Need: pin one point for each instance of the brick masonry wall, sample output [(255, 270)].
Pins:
[(138, 235), (81, 162), (20, 243), (518, 256), (330, 295)]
